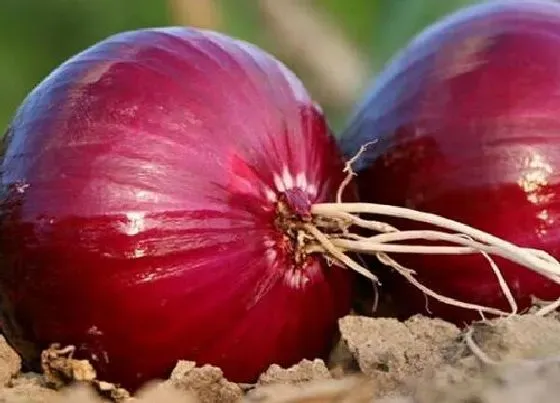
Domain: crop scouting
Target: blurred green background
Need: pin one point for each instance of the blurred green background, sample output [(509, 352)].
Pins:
[(335, 46)]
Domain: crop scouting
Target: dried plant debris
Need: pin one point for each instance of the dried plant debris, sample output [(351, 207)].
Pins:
[(60, 368)]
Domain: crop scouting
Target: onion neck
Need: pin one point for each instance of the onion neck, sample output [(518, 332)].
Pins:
[(292, 212)]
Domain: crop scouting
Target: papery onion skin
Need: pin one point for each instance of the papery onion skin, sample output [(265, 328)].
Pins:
[(467, 124), (137, 218)]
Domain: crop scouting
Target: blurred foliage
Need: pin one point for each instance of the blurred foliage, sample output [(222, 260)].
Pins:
[(37, 35)]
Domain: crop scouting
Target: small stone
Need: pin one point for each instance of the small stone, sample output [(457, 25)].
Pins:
[(111, 391), (304, 371), (10, 362), (206, 383)]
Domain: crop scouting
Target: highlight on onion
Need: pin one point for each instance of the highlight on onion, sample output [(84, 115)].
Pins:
[(174, 194), (465, 123)]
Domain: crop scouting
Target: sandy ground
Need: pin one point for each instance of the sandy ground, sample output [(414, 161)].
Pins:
[(380, 360)]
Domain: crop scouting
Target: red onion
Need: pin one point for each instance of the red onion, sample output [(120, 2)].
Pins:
[(147, 186), (466, 121)]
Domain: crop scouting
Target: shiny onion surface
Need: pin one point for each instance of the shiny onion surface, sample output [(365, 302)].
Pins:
[(466, 124), (141, 184)]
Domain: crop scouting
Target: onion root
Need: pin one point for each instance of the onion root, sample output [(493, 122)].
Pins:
[(329, 231)]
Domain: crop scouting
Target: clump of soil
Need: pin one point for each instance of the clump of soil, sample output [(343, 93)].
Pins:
[(393, 353), (299, 374), (206, 384), (383, 360)]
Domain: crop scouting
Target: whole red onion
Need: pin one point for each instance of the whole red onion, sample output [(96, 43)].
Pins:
[(146, 185), (466, 121)]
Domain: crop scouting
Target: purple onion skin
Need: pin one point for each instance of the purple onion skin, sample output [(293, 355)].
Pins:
[(467, 124), (137, 213)]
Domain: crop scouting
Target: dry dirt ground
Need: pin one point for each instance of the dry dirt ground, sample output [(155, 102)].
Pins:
[(381, 360)]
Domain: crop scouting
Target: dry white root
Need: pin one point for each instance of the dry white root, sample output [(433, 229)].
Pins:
[(462, 238)]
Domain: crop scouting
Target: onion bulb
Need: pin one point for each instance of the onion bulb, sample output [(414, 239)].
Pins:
[(465, 123), (146, 190)]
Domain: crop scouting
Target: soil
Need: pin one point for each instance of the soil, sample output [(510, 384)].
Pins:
[(378, 360)]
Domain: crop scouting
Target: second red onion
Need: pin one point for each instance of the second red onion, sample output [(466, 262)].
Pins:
[(466, 121)]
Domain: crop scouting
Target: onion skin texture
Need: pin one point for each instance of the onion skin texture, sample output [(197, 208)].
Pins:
[(137, 217), (467, 124)]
